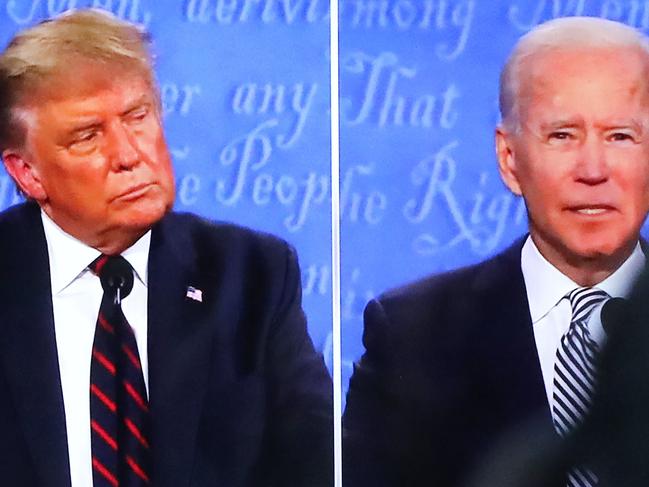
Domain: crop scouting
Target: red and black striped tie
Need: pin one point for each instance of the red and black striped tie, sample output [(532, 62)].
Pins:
[(119, 409)]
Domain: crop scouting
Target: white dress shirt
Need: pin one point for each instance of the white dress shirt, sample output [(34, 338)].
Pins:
[(76, 297), (551, 315)]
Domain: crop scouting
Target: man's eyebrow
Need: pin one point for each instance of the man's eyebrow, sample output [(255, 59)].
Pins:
[(561, 123), (633, 123), (137, 103)]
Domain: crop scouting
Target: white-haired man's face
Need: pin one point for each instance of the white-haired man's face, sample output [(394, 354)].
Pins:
[(580, 157)]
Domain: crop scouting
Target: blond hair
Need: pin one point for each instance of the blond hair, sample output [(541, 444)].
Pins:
[(561, 33), (53, 48)]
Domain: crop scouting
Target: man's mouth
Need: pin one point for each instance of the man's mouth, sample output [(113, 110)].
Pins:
[(592, 210), (135, 191)]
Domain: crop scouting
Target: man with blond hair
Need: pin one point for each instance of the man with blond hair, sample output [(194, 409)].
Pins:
[(456, 362), (137, 346)]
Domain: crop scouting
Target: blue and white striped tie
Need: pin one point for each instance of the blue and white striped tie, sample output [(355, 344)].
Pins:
[(574, 373)]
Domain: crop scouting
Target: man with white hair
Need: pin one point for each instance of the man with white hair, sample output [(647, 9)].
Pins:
[(455, 362)]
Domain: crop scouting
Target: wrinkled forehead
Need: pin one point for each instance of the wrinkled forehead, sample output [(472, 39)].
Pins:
[(587, 75)]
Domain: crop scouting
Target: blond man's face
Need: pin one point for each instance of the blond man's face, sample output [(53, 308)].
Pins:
[(98, 158)]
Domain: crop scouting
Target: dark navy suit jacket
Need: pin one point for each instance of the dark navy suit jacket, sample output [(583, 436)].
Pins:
[(238, 396), (450, 366)]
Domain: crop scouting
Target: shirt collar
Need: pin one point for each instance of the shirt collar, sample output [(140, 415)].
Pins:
[(546, 285), (69, 257)]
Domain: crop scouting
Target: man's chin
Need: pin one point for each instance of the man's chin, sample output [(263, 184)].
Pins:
[(603, 251), (144, 213), (142, 221)]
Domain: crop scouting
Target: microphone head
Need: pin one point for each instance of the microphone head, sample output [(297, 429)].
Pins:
[(116, 274), (615, 313)]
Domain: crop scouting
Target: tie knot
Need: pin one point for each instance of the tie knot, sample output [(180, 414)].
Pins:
[(115, 273), (584, 300)]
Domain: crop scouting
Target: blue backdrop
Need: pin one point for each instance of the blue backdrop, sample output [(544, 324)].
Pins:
[(420, 188), (245, 88), (245, 91)]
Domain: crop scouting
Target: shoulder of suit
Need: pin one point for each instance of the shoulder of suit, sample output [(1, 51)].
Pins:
[(18, 224), (445, 307), (17, 214), (466, 280), (207, 235)]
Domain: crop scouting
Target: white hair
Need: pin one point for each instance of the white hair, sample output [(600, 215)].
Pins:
[(562, 33)]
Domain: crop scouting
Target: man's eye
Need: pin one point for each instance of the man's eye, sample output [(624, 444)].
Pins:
[(86, 136), (84, 141), (621, 137), (559, 135), (138, 114)]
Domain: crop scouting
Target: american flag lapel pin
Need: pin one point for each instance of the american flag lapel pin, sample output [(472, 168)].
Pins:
[(195, 294)]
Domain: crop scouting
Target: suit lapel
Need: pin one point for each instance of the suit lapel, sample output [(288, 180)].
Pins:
[(179, 349), (515, 380), (179, 352), (29, 354)]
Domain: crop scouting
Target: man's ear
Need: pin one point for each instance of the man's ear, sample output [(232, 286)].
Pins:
[(507, 160), (24, 174)]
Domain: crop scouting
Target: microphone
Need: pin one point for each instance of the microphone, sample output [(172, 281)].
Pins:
[(614, 312), (117, 277)]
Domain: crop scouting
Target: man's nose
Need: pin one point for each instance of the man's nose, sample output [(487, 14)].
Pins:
[(122, 147), (592, 165)]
